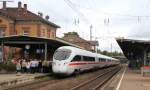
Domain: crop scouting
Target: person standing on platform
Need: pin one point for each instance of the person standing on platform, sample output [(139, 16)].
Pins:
[(18, 66), (40, 66), (44, 65), (24, 66), (33, 66), (28, 67), (36, 65), (14, 61)]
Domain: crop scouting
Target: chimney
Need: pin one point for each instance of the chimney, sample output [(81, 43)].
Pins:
[(4, 5), (25, 6), (47, 17), (40, 14), (19, 4)]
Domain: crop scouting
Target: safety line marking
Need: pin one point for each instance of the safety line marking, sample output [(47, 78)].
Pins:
[(118, 86)]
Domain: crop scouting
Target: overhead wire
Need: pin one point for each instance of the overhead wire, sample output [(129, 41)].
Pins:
[(73, 6), (106, 24), (106, 20), (138, 17), (108, 13)]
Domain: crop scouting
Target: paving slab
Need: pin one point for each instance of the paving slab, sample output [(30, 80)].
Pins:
[(13, 79), (133, 80), (128, 79)]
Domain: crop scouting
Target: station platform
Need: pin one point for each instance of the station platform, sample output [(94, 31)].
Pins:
[(7, 80), (128, 79)]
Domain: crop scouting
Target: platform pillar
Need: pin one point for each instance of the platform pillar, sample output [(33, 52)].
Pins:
[(45, 51), (2, 47), (145, 56), (145, 69)]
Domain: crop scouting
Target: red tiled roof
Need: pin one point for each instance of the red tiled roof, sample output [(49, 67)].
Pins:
[(20, 14), (94, 43)]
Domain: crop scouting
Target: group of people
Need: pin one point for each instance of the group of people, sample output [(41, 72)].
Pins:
[(32, 65)]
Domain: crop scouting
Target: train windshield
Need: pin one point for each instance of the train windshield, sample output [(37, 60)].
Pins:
[(62, 54)]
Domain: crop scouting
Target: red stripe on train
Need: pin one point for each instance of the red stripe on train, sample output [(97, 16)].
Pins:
[(82, 63)]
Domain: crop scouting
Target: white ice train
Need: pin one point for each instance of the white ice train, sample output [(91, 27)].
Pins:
[(68, 60)]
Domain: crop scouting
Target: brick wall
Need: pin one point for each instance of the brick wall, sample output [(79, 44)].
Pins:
[(74, 38)]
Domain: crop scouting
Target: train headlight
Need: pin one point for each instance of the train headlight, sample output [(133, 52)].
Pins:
[(65, 63)]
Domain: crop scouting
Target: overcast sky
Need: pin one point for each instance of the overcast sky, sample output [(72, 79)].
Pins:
[(109, 18)]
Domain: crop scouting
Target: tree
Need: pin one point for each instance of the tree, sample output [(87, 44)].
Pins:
[(115, 53)]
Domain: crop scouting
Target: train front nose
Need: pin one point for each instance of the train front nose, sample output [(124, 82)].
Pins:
[(59, 68)]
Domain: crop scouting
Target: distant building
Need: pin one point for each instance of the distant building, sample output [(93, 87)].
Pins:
[(74, 38), (93, 45)]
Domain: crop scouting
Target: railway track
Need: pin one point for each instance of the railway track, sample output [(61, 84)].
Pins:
[(96, 82)]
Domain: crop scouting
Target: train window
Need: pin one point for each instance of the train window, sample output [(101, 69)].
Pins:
[(103, 60), (85, 58), (92, 58), (109, 60), (99, 59), (77, 58), (62, 54)]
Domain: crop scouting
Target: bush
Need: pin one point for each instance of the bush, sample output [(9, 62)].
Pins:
[(7, 64), (8, 67)]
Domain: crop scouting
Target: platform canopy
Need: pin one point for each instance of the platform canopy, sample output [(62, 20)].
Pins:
[(34, 44), (137, 51), (20, 41)]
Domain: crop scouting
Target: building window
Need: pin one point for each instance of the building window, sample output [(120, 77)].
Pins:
[(2, 32), (43, 33), (26, 32), (48, 33), (53, 35), (0, 21)]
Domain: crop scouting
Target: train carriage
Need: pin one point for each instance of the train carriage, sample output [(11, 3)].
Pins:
[(68, 60)]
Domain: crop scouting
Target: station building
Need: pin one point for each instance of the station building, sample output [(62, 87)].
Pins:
[(20, 21), (24, 33)]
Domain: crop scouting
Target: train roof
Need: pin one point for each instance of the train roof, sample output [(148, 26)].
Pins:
[(85, 52), (78, 50)]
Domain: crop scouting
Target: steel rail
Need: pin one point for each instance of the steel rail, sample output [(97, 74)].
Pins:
[(105, 80), (91, 80)]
